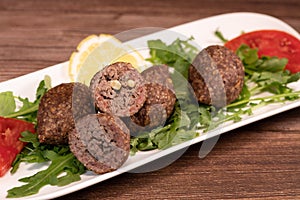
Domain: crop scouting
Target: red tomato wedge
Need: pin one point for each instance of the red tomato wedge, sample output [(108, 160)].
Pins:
[(10, 146), (271, 43)]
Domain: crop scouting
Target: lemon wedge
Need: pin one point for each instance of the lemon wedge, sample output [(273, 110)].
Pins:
[(95, 52)]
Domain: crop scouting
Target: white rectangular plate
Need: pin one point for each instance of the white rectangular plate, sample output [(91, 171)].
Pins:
[(202, 30)]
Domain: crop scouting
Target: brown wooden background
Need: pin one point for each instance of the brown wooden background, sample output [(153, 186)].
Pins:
[(258, 161)]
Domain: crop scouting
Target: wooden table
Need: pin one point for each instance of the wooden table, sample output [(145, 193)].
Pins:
[(258, 161)]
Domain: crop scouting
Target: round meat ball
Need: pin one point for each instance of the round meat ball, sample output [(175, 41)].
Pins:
[(217, 76), (118, 89), (101, 142), (160, 100), (58, 110)]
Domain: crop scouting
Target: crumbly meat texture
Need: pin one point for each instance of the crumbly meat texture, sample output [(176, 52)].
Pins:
[(118, 89), (217, 76), (101, 142), (160, 100), (58, 110)]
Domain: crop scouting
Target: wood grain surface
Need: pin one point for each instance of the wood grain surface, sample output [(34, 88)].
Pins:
[(258, 161)]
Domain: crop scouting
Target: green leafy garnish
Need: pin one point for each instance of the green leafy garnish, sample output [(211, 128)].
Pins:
[(220, 36), (7, 103), (28, 110), (179, 54), (265, 74), (64, 168)]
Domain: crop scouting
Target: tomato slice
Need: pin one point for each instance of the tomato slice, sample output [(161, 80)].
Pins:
[(10, 145), (271, 43), (7, 156)]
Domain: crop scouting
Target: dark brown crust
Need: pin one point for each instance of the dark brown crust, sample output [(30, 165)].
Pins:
[(123, 102), (160, 100), (217, 74), (58, 109), (111, 137), (158, 74)]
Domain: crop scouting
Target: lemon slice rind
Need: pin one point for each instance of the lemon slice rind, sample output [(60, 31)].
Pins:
[(95, 52)]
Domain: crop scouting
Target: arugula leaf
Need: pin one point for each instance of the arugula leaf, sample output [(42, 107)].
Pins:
[(30, 138), (28, 110), (247, 55), (293, 77), (272, 64), (267, 99), (59, 164), (265, 73), (63, 162), (179, 54), (220, 36), (7, 103)]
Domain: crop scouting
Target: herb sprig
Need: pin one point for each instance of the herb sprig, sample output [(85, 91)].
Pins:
[(63, 169), (179, 54), (28, 110)]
